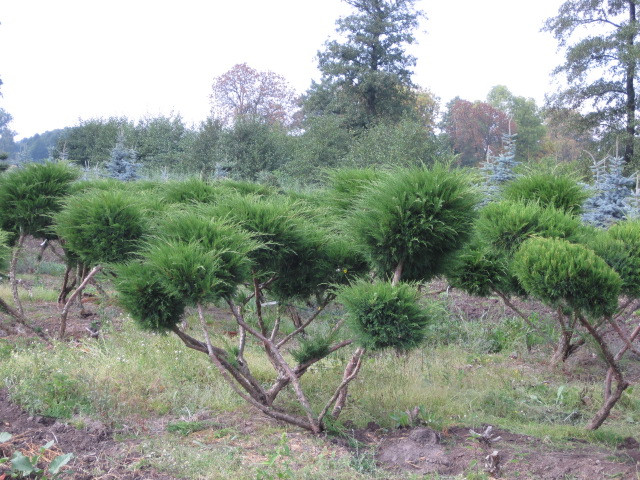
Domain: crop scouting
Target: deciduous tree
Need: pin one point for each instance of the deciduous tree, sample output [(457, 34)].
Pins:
[(601, 67), (249, 94), (475, 129)]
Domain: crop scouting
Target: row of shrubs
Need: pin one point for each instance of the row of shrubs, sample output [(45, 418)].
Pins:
[(366, 242)]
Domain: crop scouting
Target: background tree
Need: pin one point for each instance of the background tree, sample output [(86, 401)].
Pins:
[(206, 149), (527, 117), (162, 141), (600, 69), (253, 146), (90, 142), (246, 93), (367, 76), (7, 145), (122, 164), (475, 129)]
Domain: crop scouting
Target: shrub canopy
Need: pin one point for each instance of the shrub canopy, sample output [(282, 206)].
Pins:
[(30, 196), (564, 274), (548, 190), (382, 315), (416, 217), (102, 226)]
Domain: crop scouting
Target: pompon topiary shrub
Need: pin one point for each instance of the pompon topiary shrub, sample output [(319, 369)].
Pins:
[(484, 266), (100, 228), (29, 197), (246, 251), (548, 190), (575, 279)]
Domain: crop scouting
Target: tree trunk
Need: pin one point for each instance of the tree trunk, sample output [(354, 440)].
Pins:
[(610, 400), (12, 273), (74, 295), (630, 106)]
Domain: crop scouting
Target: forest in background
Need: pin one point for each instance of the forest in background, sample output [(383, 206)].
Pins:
[(367, 112)]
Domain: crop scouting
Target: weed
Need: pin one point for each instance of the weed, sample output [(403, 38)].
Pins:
[(186, 428), (277, 464), (28, 466)]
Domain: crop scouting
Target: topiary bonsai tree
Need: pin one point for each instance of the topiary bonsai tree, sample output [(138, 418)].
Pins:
[(484, 266), (575, 279), (100, 228), (410, 222), (29, 197), (249, 251)]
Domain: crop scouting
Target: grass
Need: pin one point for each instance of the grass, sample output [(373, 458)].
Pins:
[(464, 375), (36, 293)]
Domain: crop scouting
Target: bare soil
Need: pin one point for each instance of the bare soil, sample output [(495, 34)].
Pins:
[(424, 451), (96, 455)]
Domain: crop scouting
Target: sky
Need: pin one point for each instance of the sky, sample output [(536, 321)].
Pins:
[(66, 60)]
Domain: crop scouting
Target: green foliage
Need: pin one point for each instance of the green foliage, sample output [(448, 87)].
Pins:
[(323, 145), (548, 190), (294, 250), (253, 146), (620, 248), (564, 274), (90, 142), (527, 117), (102, 226), (194, 259), (27, 467), (346, 184), (30, 196), (479, 269), (185, 428), (244, 187), (367, 75), (381, 315), (144, 297), (188, 191), (416, 217), (406, 143), (505, 225), (312, 347), (188, 271), (5, 250), (484, 265), (599, 40), (216, 239)]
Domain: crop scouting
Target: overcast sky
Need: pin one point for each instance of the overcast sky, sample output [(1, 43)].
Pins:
[(64, 60)]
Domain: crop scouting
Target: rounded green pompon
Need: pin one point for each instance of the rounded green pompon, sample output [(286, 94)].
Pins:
[(561, 273), (382, 315)]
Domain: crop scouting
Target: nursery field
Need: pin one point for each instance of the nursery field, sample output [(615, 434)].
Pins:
[(130, 404), (404, 323)]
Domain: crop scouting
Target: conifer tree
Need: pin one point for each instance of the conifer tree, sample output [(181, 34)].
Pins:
[(611, 188), (499, 169), (122, 163)]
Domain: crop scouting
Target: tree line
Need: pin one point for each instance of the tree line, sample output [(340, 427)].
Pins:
[(366, 110)]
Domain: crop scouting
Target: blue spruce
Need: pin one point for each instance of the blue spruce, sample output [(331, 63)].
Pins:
[(499, 170), (122, 163), (610, 193)]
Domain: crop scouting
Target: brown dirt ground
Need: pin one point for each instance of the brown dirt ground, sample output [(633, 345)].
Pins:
[(422, 450), (96, 454)]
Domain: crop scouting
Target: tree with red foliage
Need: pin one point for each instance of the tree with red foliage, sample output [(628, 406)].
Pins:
[(475, 129), (249, 94)]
